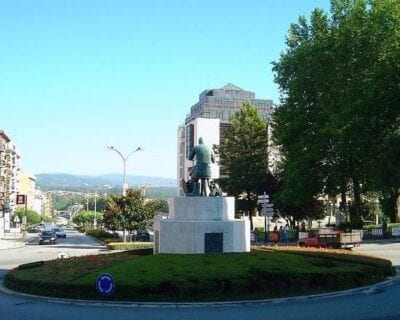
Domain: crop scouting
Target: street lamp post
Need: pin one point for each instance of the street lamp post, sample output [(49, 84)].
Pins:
[(124, 159), (96, 190), (125, 184)]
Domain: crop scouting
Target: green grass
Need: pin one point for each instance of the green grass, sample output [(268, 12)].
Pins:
[(210, 277)]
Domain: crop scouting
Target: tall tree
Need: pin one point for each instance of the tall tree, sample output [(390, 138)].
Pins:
[(338, 79), (244, 155)]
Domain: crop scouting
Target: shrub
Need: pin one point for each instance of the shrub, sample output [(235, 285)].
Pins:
[(30, 265), (99, 234)]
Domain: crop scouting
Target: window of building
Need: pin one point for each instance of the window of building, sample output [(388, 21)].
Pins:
[(189, 139)]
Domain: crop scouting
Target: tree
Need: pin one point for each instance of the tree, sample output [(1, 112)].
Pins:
[(32, 217), (101, 202), (159, 205), (388, 180), (338, 79), (244, 155), (86, 218), (128, 213)]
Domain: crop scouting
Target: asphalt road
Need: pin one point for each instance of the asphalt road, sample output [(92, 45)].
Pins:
[(75, 244), (380, 303)]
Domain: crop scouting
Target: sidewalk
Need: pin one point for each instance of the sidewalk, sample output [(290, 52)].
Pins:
[(16, 243), (11, 244)]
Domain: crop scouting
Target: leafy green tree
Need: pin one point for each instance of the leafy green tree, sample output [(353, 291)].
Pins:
[(101, 203), (388, 173), (113, 214), (128, 213), (86, 218), (159, 205), (62, 202), (244, 155), (272, 185), (339, 105), (32, 217)]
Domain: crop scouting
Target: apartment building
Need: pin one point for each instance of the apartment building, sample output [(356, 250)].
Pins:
[(27, 187), (9, 181)]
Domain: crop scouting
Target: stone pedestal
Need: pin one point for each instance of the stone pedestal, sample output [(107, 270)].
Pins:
[(201, 225)]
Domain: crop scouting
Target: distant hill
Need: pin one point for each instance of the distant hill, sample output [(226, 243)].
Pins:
[(156, 186)]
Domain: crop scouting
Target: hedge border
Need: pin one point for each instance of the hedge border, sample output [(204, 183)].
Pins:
[(129, 245), (264, 285)]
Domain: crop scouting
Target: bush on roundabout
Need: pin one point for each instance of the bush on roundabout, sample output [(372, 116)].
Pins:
[(260, 274)]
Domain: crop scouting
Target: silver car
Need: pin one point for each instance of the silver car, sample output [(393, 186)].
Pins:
[(60, 233)]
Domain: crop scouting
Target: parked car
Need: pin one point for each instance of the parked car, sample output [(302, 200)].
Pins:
[(47, 236), (60, 233), (34, 229), (143, 235)]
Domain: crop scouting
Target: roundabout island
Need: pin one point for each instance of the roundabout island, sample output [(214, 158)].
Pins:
[(141, 276)]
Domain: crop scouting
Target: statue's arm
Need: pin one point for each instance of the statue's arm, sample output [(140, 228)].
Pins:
[(212, 157)]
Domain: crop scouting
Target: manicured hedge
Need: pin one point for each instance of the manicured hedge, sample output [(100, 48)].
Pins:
[(129, 245), (99, 234), (30, 265)]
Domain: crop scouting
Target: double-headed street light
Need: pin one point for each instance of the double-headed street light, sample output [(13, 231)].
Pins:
[(96, 190), (124, 159), (125, 185)]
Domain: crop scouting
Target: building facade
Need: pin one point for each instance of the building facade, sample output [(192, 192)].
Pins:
[(9, 181), (36, 200), (188, 137), (224, 102), (209, 118), (27, 187)]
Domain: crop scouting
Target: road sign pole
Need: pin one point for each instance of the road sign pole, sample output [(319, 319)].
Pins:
[(265, 229)]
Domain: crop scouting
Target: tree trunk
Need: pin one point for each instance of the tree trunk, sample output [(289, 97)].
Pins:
[(357, 199), (343, 205), (394, 205), (397, 205)]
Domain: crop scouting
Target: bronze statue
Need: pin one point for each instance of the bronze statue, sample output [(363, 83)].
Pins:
[(202, 169), (215, 189)]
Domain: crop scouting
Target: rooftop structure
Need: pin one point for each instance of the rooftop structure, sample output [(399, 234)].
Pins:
[(223, 102)]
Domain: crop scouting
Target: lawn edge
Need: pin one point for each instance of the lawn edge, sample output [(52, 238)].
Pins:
[(370, 289)]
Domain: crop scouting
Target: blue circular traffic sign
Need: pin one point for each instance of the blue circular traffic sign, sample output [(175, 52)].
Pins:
[(105, 284)]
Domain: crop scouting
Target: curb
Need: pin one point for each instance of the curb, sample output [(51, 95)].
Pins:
[(371, 289), (396, 240), (95, 239), (91, 237)]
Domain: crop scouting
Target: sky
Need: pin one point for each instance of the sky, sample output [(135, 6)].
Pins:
[(79, 75)]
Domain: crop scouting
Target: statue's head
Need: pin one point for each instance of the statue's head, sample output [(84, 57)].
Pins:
[(201, 140)]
